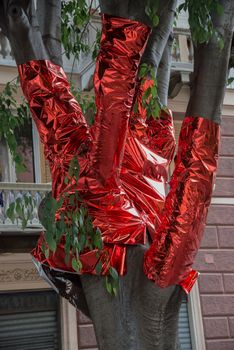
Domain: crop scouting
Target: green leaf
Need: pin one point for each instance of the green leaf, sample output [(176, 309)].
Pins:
[(221, 43), (50, 241), (143, 70), (155, 21), (108, 285), (98, 268), (11, 212), (113, 273), (230, 81), (47, 253), (76, 264), (146, 94)]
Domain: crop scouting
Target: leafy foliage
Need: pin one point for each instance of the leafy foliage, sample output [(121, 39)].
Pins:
[(87, 104), (150, 98), (96, 46), (200, 19), (22, 209), (67, 220), (13, 116), (151, 9), (76, 18)]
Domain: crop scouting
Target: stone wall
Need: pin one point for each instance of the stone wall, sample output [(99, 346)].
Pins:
[(86, 335)]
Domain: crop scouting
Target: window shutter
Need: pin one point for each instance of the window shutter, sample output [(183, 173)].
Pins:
[(29, 321), (184, 330)]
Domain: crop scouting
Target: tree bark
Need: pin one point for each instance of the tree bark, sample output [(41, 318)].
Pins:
[(141, 317), (50, 27), (20, 24), (164, 72), (32, 36), (211, 68)]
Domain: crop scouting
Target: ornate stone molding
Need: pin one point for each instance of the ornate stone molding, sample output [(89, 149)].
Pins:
[(18, 275), (17, 272)]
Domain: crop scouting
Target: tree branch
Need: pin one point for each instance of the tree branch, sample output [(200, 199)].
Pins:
[(132, 9), (210, 69), (20, 25), (160, 34), (49, 18), (164, 70)]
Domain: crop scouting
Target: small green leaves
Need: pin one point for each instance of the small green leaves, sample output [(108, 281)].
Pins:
[(200, 19), (144, 70), (230, 81), (96, 45), (112, 281), (151, 9), (21, 209), (87, 104), (74, 169), (13, 118), (75, 15), (76, 20), (68, 221), (50, 241), (150, 99), (76, 264), (98, 268)]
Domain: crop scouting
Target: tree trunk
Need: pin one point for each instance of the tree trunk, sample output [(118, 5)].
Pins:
[(141, 317)]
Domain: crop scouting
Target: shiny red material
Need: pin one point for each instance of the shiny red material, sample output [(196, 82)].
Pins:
[(65, 134), (124, 165), (61, 125), (148, 152), (170, 257)]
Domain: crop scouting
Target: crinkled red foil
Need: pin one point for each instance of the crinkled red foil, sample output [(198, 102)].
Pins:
[(64, 132), (61, 125), (170, 257), (148, 152)]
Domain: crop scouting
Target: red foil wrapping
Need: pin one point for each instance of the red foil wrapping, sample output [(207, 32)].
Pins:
[(61, 125), (64, 133), (148, 152), (170, 257)]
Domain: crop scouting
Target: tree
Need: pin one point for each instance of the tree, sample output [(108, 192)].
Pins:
[(22, 24)]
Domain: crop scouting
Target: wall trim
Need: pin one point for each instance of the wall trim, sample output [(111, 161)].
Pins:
[(195, 319), (69, 326), (222, 200)]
